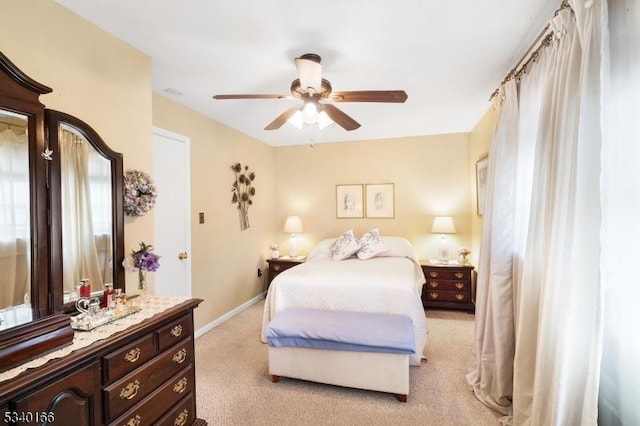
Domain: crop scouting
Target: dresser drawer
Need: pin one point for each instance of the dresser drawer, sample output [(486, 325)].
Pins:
[(446, 285), (447, 296), (174, 332), (182, 414), (131, 389), (181, 386), (447, 274), (128, 358)]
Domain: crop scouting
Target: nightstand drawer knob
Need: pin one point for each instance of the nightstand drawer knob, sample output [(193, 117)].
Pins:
[(276, 267), (459, 296), (433, 295), (459, 275), (459, 286), (433, 274), (433, 284)]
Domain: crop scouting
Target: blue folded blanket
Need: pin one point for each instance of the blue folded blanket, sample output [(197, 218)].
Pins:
[(342, 330)]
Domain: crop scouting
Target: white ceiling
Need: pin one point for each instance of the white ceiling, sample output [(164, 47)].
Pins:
[(448, 55)]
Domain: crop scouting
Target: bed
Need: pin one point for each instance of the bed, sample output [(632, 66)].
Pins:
[(389, 282)]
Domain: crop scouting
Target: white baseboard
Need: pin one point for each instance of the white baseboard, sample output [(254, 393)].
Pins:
[(213, 324)]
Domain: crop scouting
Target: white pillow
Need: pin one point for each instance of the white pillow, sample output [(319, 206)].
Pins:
[(344, 246), (371, 245)]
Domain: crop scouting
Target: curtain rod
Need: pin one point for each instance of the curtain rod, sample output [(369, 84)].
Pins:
[(542, 40)]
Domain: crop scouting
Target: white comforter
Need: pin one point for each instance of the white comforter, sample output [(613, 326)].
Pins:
[(388, 284)]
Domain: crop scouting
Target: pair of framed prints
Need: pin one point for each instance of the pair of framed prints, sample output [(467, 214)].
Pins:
[(365, 200)]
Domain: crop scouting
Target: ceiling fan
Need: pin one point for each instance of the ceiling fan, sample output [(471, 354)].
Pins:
[(311, 88)]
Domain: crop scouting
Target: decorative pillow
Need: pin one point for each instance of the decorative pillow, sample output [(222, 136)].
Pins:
[(344, 246), (371, 245)]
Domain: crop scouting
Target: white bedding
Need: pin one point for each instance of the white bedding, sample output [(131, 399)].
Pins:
[(388, 283)]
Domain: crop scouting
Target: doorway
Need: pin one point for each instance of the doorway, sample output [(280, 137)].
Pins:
[(172, 229)]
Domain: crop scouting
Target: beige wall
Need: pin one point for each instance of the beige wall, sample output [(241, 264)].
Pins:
[(430, 175), (99, 79), (224, 259), (480, 139)]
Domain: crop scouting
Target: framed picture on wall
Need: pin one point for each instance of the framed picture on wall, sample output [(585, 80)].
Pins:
[(349, 201), (481, 183), (380, 200)]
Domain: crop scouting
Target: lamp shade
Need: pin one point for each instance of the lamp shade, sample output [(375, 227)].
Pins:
[(443, 225), (293, 225)]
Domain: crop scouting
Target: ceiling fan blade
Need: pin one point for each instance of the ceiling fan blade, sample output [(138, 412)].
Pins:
[(309, 71), (282, 118), (340, 118), (251, 97), (395, 96)]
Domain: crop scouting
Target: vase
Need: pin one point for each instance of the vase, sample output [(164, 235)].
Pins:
[(142, 281)]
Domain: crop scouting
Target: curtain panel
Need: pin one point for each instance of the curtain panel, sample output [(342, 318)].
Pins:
[(539, 287)]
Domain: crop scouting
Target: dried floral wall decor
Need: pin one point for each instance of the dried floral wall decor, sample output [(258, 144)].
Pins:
[(243, 190), (139, 193)]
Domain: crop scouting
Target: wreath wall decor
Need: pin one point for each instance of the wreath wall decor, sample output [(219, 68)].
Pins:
[(243, 190), (140, 193)]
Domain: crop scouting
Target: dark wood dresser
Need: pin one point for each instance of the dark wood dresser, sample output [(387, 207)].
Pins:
[(448, 287), (142, 375)]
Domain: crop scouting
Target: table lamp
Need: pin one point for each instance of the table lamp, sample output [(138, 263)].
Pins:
[(443, 225), (293, 226)]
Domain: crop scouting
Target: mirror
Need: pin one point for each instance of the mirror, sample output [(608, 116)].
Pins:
[(85, 190), (43, 246), (87, 211), (15, 227)]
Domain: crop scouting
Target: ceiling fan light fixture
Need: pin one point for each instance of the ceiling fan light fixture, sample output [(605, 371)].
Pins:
[(303, 121)]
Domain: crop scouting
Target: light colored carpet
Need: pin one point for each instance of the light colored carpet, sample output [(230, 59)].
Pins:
[(234, 387)]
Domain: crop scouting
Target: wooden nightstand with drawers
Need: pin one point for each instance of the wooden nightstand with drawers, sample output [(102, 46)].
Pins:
[(282, 264), (448, 286)]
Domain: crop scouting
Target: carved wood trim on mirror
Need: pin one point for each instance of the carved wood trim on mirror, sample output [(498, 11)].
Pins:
[(31, 322)]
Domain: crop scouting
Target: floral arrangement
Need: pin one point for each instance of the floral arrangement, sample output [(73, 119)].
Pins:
[(243, 190), (139, 193), (143, 260), (464, 253)]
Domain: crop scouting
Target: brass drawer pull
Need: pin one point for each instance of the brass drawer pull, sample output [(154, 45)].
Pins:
[(182, 418), (180, 386), (133, 355), (134, 421), (459, 286), (433, 284), (433, 274), (180, 356), (459, 296), (176, 331), (433, 295), (130, 391), (459, 275)]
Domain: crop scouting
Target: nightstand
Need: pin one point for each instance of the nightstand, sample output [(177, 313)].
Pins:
[(448, 287), (282, 264)]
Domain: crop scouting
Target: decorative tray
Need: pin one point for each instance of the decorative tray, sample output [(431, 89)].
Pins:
[(86, 322)]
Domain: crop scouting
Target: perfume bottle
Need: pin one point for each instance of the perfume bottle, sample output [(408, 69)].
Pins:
[(108, 296), (85, 288)]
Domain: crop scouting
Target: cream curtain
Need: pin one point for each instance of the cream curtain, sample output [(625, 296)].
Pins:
[(80, 254), (15, 254), (539, 307)]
